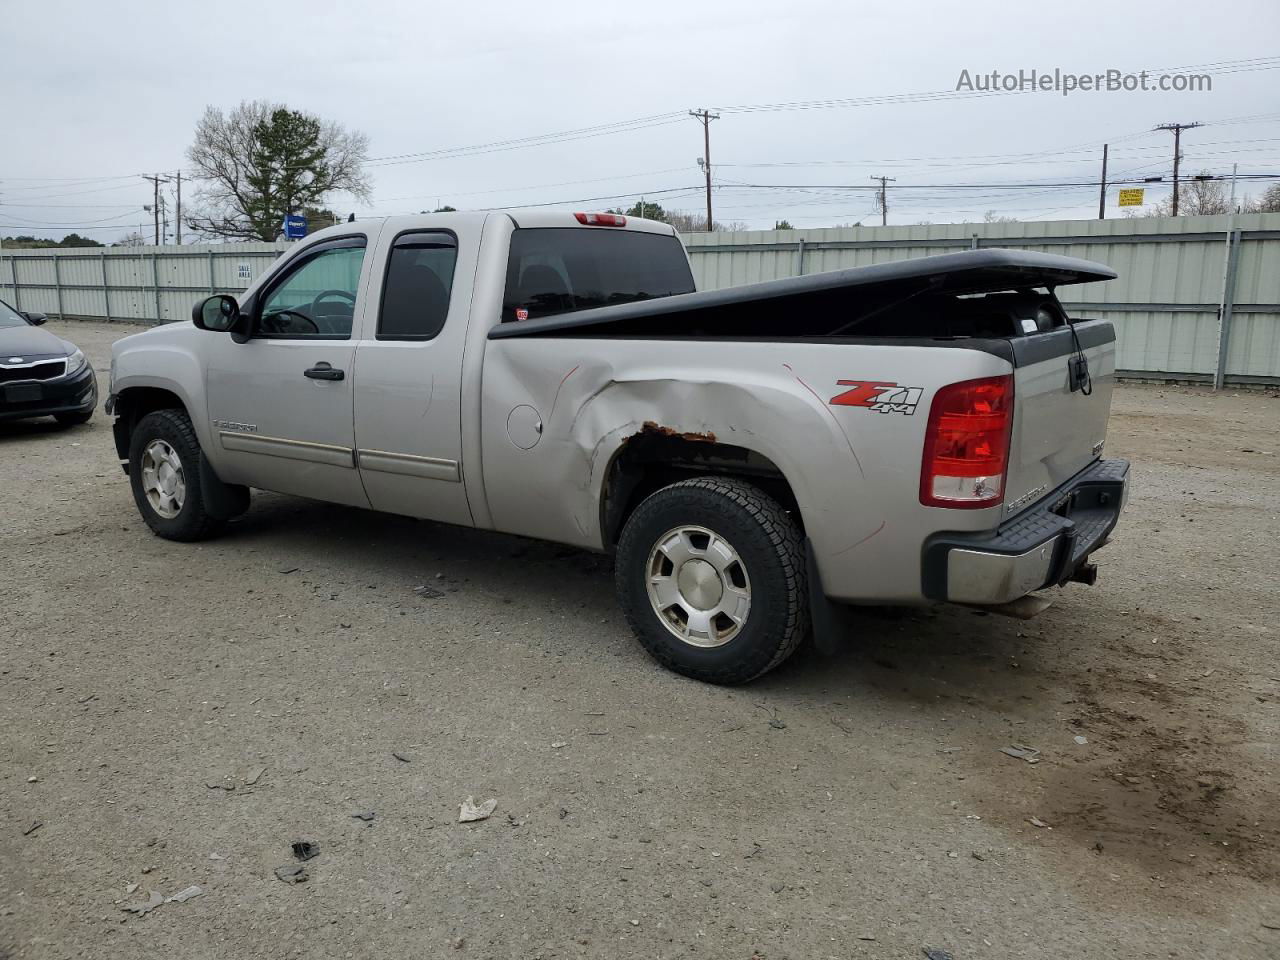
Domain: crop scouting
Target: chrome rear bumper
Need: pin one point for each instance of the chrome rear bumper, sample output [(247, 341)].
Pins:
[(1042, 546)]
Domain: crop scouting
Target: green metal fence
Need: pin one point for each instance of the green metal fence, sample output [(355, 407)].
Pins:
[(1198, 298)]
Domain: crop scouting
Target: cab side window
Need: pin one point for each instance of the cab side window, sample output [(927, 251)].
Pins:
[(317, 298), (415, 293)]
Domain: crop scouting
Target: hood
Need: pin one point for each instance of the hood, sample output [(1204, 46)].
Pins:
[(181, 331), (31, 343)]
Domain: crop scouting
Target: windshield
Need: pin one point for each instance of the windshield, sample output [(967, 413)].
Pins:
[(10, 317), (559, 270)]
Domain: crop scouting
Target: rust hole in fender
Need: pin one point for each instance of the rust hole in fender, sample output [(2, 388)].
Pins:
[(649, 428)]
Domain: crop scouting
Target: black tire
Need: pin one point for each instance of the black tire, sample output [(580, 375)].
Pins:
[(192, 521), (73, 419), (770, 547)]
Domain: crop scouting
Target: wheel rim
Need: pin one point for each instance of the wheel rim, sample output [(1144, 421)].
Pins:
[(163, 480), (698, 586)]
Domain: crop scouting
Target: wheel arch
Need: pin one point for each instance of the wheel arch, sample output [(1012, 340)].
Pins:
[(133, 402), (656, 456)]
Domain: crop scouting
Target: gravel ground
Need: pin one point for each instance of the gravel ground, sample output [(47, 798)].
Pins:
[(180, 714)]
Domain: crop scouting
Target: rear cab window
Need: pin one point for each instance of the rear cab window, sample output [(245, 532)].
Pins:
[(419, 280), (555, 270)]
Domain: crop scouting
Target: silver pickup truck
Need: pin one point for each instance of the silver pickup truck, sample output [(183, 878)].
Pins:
[(754, 458)]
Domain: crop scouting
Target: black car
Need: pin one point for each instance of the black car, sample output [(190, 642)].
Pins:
[(40, 374)]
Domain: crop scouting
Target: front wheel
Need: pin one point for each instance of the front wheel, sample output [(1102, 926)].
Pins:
[(164, 472), (711, 576)]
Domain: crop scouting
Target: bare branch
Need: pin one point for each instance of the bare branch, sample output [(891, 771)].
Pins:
[(261, 161)]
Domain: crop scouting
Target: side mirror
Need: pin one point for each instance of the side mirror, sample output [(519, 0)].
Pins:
[(219, 313), (35, 319)]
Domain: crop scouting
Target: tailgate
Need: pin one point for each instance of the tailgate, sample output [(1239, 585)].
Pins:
[(1057, 431)]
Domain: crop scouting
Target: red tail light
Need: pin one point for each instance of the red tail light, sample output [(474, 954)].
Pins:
[(601, 219), (966, 445)]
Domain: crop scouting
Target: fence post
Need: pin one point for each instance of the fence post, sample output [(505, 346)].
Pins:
[(106, 290), (973, 242), (17, 291), (57, 285), (1228, 302), (212, 277), (800, 257), (155, 281)]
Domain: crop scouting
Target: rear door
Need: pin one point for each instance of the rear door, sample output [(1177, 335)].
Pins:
[(1059, 421), (281, 403), (408, 382)]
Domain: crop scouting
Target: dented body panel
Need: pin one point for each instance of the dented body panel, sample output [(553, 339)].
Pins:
[(852, 469)]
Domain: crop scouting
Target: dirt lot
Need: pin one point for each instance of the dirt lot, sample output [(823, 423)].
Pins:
[(849, 807)]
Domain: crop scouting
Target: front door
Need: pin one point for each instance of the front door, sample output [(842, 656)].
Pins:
[(281, 404)]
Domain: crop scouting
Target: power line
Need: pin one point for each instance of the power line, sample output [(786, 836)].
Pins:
[(533, 186), (73, 206), (22, 221), (563, 136), (68, 226), (672, 117), (969, 186), (1223, 66)]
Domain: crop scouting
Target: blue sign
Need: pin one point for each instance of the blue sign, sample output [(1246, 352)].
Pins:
[(295, 227)]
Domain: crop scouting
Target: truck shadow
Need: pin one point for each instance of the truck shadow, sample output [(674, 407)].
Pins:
[(929, 657)]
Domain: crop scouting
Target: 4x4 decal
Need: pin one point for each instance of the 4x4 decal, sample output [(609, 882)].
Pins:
[(878, 395)]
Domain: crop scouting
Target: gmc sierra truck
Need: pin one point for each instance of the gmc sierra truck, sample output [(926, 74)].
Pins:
[(755, 458)]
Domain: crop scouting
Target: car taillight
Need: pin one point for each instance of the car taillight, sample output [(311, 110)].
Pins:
[(601, 219), (966, 444)]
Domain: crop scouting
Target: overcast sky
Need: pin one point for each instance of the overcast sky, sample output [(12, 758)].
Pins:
[(101, 90)]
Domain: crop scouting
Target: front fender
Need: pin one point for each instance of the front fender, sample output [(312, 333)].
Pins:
[(164, 363)]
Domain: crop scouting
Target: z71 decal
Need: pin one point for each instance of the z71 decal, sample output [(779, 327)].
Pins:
[(878, 395)]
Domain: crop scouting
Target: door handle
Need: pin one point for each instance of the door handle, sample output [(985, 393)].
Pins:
[(323, 371)]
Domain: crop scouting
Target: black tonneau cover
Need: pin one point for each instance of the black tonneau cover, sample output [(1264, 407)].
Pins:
[(950, 274)]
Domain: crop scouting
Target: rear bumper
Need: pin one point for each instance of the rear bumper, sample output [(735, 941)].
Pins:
[(74, 394), (1040, 547)]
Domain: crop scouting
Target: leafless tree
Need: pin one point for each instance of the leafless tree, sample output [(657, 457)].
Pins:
[(261, 161), (1196, 197), (1269, 202)]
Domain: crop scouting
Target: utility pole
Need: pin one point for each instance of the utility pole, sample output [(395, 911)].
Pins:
[(1177, 129), (178, 219), (706, 118), (1102, 195), (884, 200), (155, 203)]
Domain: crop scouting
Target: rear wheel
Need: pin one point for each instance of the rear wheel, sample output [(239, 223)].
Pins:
[(711, 576), (164, 472)]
